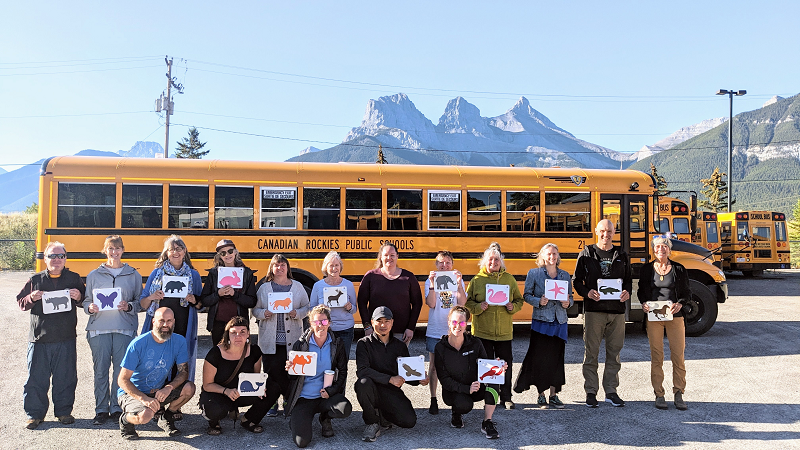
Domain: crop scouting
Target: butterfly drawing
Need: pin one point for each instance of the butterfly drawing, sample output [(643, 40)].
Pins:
[(106, 301)]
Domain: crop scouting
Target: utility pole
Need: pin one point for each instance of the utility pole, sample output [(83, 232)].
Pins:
[(165, 103), (730, 94)]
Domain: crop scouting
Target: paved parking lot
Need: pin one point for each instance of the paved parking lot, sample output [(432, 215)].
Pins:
[(743, 392)]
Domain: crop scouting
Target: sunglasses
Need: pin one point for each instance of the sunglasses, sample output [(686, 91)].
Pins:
[(322, 323), (456, 323), (227, 252), (57, 256)]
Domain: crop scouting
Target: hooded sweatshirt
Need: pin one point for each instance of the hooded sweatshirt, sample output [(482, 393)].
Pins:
[(496, 323), (457, 369), (131, 283)]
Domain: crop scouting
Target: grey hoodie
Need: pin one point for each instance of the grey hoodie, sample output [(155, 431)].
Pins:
[(131, 283)]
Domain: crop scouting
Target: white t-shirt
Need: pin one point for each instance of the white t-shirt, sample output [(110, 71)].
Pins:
[(437, 316)]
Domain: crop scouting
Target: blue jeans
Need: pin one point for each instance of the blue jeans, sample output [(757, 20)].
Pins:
[(56, 359), (347, 339), (107, 348)]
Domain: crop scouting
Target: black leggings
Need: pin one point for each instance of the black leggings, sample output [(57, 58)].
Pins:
[(502, 350), (463, 403), (336, 407), (384, 400), (216, 406), (275, 367)]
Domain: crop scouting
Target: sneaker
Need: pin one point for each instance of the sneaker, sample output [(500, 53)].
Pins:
[(273, 412), (541, 402), (371, 432), (591, 400), (488, 428), (661, 403), (115, 416), (66, 420), (509, 404), (100, 418), (456, 421), (614, 399), (33, 424), (327, 428), (679, 403), (434, 409), (167, 423), (127, 430), (555, 402)]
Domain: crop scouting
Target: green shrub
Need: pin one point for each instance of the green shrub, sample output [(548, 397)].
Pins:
[(17, 255)]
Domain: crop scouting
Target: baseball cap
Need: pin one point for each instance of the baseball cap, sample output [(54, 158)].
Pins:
[(225, 243), (382, 312)]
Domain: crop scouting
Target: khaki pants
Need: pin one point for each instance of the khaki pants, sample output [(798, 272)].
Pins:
[(676, 335), (596, 327)]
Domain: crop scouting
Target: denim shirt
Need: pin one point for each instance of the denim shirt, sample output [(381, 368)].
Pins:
[(534, 290)]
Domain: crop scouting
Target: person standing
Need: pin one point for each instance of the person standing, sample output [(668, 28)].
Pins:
[(52, 348), (109, 332), (602, 319), (665, 280), (342, 321)]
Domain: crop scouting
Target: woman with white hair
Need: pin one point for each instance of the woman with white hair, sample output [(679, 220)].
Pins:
[(492, 321), (665, 280), (543, 366), (341, 299)]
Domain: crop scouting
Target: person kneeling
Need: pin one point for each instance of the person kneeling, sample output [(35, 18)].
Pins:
[(312, 394), (145, 368), (456, 360), (224, 362)]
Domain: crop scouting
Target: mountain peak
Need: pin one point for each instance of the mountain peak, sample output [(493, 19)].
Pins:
[(461, 116), (774, 99), (396, 115)]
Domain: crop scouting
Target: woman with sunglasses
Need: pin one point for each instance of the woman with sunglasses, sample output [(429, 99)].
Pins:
[(226, 302), (309, 395), (456, 361), (543, 366)]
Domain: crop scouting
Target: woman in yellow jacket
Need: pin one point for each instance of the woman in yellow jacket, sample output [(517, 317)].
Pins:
[(491, 315)]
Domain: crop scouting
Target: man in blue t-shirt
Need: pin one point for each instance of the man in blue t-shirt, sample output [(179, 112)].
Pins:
[(147, 365)]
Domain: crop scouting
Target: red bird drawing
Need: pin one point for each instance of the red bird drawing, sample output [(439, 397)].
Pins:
[(492, 372), (557, 290)]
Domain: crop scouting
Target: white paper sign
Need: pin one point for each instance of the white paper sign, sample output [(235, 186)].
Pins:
[(445, 281), (56, 301), (556, 290), (491, 371), (279, 302), (659, 311), (335, 297), (107, 299), (252, 384), (302, 363), (411, 368), (609, 289), (230, 276), (497, 294), (175, 287)]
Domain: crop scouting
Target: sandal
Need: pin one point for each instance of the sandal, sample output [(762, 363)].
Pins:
[(214, 429), (251, 426)]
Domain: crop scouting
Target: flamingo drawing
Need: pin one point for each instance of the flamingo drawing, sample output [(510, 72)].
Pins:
[(496, 296)]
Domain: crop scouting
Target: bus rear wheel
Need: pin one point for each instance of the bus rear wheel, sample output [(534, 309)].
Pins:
[(701, 312)]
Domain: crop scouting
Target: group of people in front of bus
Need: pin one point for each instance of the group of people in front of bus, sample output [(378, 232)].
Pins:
[(153, 373)]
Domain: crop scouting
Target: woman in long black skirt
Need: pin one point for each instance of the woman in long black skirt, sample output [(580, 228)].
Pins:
[(543, 366)]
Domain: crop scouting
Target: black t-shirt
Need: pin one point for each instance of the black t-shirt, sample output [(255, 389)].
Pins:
[(606, 257), (225, 367)]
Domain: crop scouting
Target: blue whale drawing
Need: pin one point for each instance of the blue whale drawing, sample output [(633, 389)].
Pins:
[(247, 386)]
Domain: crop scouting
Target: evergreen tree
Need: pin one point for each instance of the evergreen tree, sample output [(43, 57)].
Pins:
[(33, 209), (381, 158), (715, 190), (191, 147), (794, 224), (661, 183)]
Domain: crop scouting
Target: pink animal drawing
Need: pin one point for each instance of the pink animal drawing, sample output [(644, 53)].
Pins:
[(284, 303), (231, 280), (557, 290), (300, 360), (495, 297)]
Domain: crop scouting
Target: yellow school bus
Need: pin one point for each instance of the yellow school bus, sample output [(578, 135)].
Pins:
[(304, 210), (676, 217), (707, 234), (753, 241)]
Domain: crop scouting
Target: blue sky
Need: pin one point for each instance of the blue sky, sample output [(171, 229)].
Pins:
[(79, 75)]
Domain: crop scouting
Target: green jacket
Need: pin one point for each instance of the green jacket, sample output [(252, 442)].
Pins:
[(495, 323)]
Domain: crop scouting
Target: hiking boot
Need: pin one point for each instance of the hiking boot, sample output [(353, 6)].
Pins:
[(488, 428), (661, 403), (100, 418), (167, 423), (591, 400), (371, 432), (66, 420), (614, 399), (434, 409), (456, 421), (33, 424), (327, 427), (127, 430), (541, 402), (679, 403), (555, 402)]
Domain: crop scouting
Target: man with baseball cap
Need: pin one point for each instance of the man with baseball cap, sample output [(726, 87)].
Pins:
[(378, 388)]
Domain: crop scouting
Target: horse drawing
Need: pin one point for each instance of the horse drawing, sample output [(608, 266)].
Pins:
[(284, 303), (496, 297), (231, 280), (300, 360), (335, 298), (661, 313)]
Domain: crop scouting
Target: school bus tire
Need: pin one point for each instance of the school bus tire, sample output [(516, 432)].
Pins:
[(701, 313)]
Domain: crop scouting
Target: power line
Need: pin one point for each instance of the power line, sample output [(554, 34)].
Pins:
[(74, 71), (79, 60), (72, 64), (75, 115)]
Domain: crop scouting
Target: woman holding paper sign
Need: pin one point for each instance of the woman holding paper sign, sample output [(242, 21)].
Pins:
[(234, 355), (663, 280), (543, 366), (237, 294), (493, 322), (110, 330), (339, 295)]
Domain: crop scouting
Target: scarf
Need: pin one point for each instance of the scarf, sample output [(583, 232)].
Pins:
[(169, 269)]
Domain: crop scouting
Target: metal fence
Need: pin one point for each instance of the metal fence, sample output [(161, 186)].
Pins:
[(17, 254)]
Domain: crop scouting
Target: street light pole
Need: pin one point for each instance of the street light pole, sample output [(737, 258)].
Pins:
[(730, 94)]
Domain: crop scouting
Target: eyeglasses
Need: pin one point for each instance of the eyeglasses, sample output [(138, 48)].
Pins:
[(456, 323), (227, 252), (57, 256), (176, 250), (320, 323)]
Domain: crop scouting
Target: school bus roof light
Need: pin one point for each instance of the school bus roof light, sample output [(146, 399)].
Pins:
[(634, 187)]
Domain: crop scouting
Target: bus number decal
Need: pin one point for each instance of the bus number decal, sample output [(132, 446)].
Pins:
[(663, 208), (581, 244)]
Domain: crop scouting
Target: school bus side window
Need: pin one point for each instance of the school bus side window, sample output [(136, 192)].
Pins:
[(278, 207), (522, 211), (444, 210), (483, 211), (363, 209), (320, 209), (86, 205), (567, 211), (404, 209), (233, 207), (141, 205), (188, 206)]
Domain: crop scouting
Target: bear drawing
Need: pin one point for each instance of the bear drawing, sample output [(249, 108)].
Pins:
[(174, 286)]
